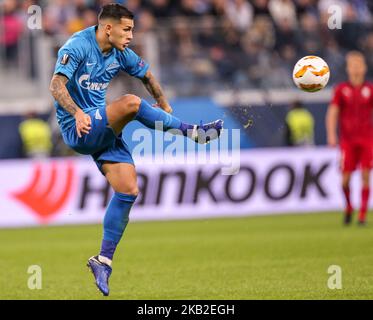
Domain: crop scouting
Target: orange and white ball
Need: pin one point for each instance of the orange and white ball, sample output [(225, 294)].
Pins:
[(311, 74)]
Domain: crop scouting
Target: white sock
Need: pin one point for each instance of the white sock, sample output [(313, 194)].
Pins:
[(194, 135), (104, 260)]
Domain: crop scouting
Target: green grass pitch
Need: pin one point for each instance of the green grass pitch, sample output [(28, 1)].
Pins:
[(270, 257)]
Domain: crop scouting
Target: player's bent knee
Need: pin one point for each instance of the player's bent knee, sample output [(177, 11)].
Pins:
[(130, 103), (132, 191)]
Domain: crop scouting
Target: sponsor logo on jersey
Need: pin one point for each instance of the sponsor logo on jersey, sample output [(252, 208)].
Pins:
[(88, 85)]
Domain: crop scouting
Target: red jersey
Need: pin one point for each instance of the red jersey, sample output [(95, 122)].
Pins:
[(355, 112)]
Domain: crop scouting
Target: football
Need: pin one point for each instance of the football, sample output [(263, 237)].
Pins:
[(311, 74)]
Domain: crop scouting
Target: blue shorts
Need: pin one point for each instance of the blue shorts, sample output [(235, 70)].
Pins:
[(101, 143)]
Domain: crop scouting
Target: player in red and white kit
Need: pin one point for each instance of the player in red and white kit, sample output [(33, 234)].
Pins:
[(352, 109)]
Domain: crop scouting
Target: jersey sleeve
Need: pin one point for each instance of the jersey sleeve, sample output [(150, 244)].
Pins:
[(132, 64), (337, 96), (69, 57)]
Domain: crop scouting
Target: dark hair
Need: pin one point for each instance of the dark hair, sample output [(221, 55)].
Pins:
[(115, 11)]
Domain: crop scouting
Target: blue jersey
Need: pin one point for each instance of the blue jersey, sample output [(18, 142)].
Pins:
[(90, 71)]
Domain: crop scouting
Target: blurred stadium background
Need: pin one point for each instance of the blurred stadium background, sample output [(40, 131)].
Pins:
[(215, 58)]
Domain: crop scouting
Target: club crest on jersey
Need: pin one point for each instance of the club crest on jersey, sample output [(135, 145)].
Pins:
[(65, 59), (112, 66), (365, 92)]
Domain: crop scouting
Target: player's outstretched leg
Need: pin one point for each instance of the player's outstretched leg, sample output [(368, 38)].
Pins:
[(130, 107), (364, 197), (346, 176), (122, 178)]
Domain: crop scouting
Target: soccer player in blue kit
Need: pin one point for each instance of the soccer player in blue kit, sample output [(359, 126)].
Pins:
[(85, 66)]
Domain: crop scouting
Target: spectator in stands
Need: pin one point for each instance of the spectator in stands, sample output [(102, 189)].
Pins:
[(255, 62), (218, 8), (283, 10), (36, 136), (349, 35), (368, 53), (85, 17), (260, 7), (223, 64), (58, 14), (306, 6), (324, 5), (370, 6), (240, 13), (334, 54), (288, 57), (299, 126), (134, 6), (352, 29), (145, 23), (362, 11), (280, 67), (11, 29), (285, 34), (208, 34), (308, 37), (213, 48), (89, 17), (160, 8), (184, 43), (188, 8), (80, 6), (23, 8), (262, 30)]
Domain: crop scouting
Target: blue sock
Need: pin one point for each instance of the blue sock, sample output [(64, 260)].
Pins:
[(115, 222), (148, 115)]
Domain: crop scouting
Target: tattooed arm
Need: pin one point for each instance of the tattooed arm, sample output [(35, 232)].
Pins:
[(155, 89), (62, 96)]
